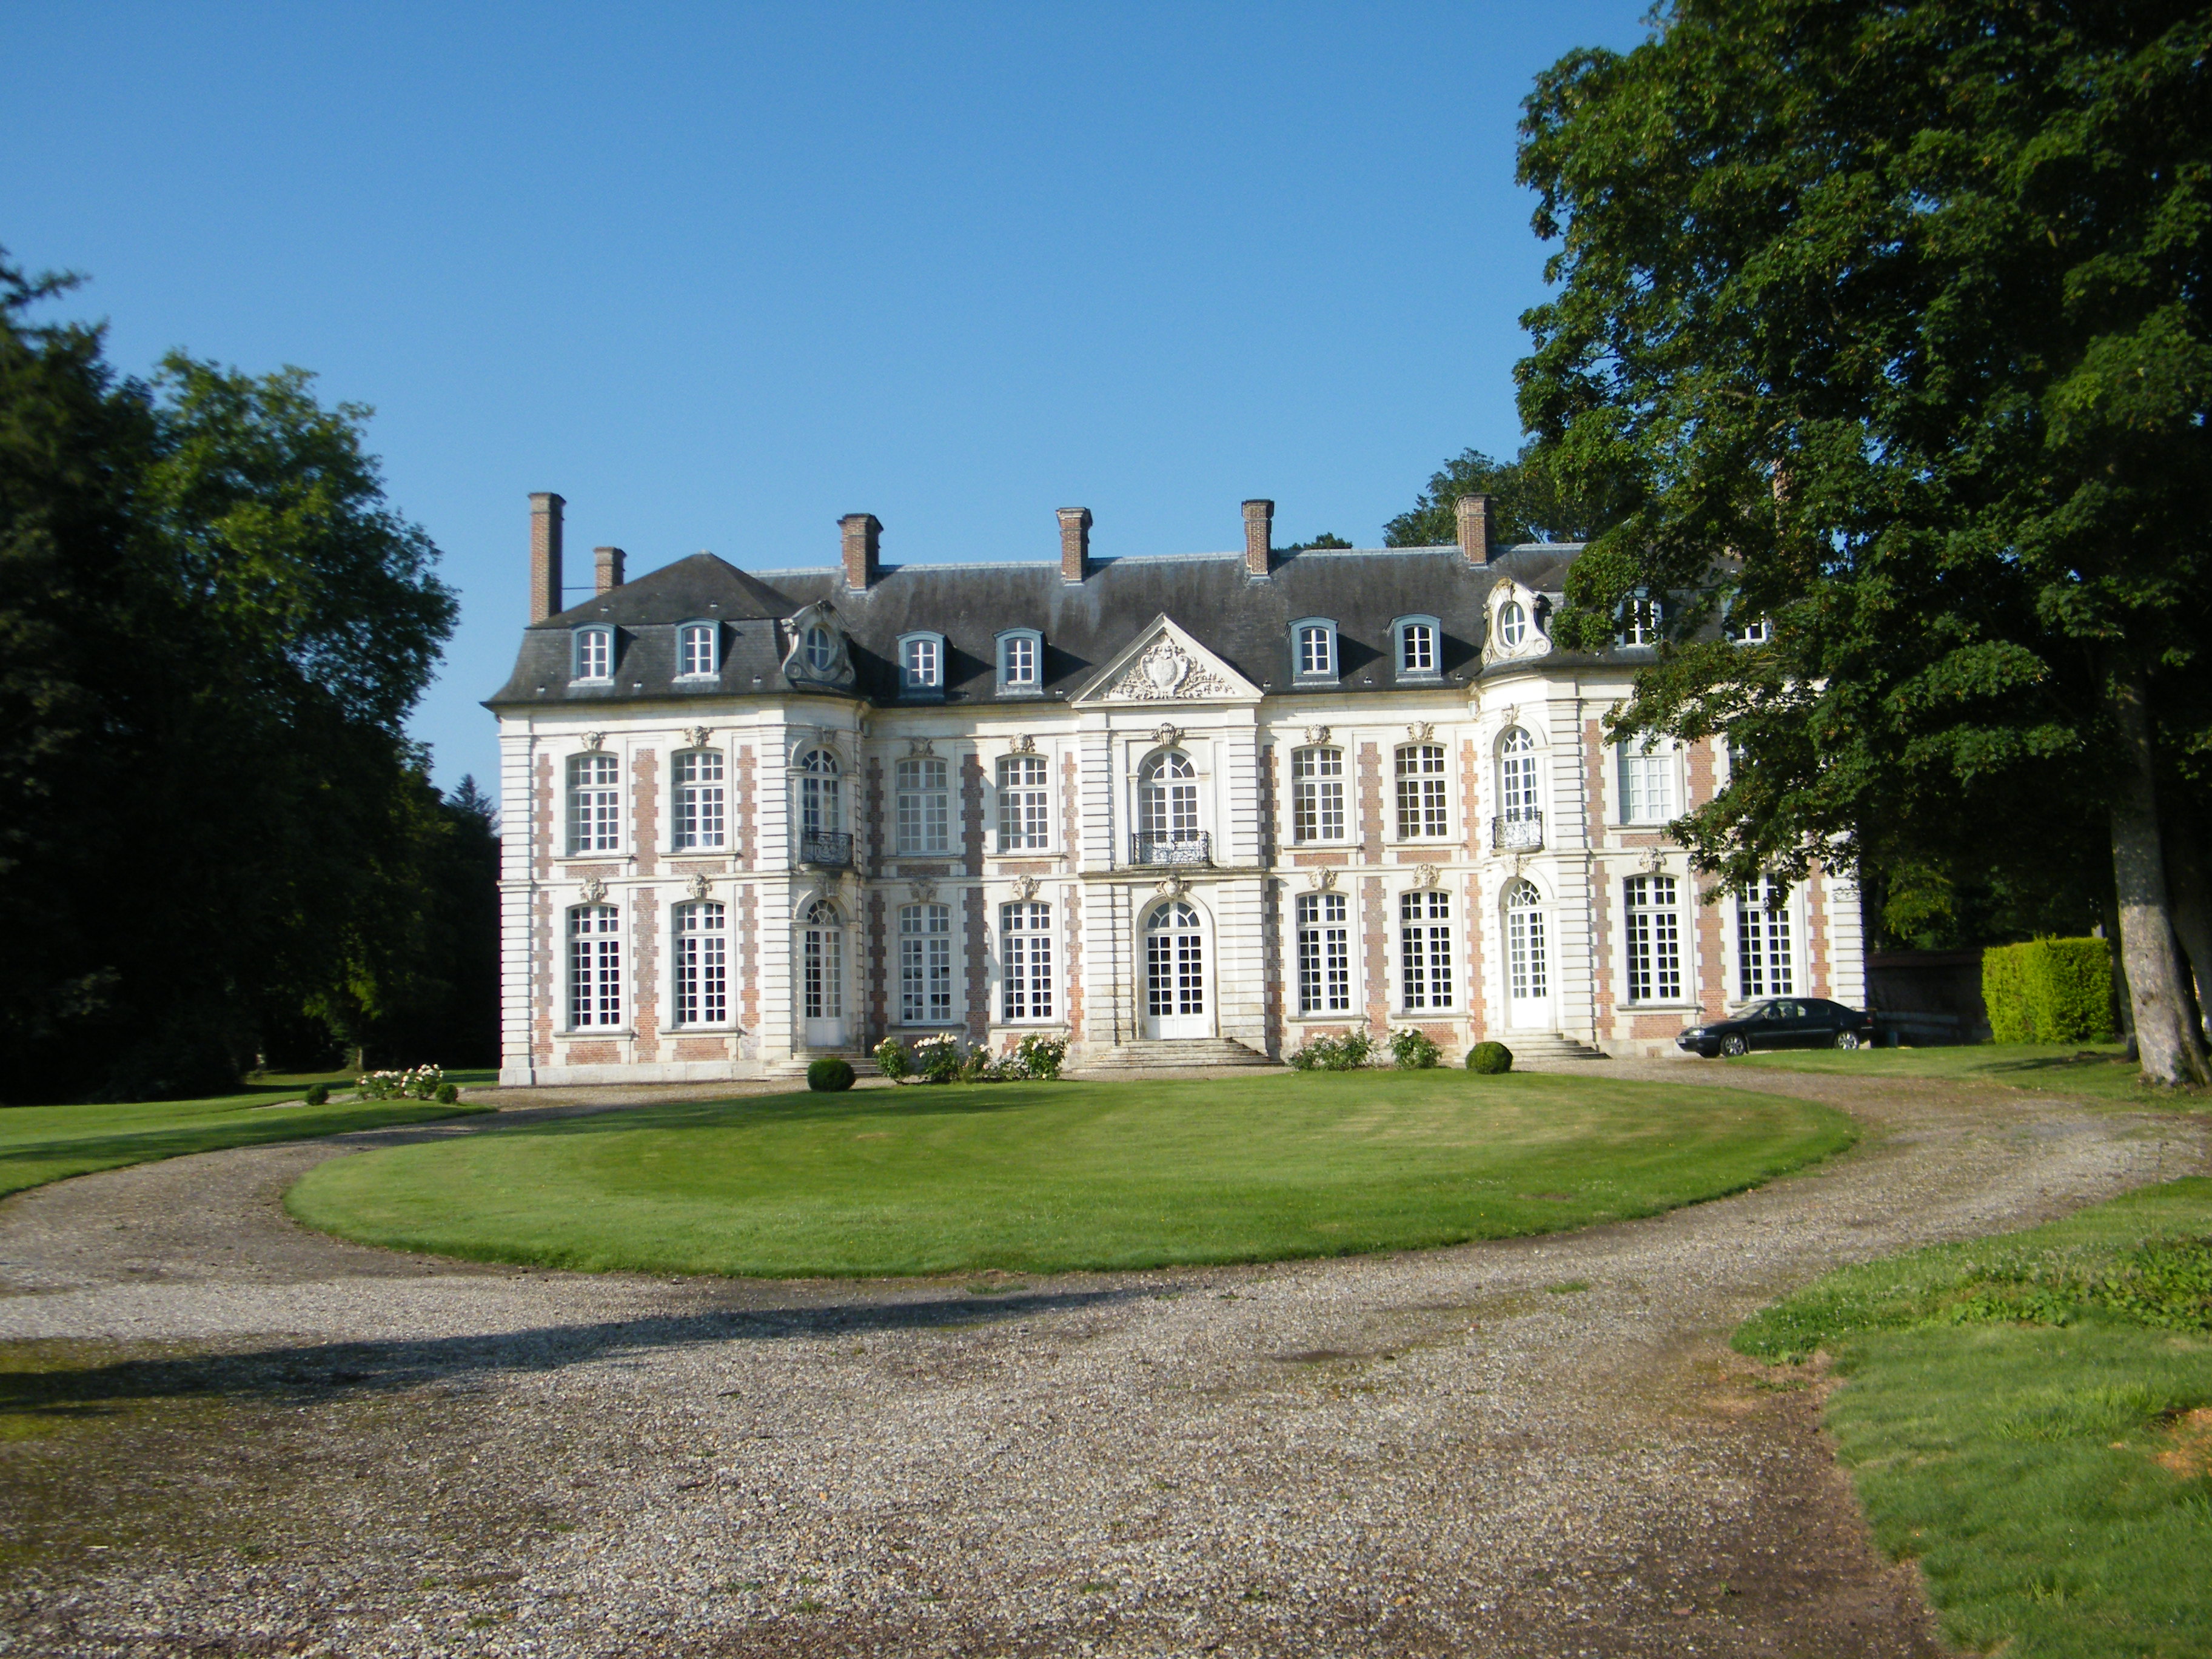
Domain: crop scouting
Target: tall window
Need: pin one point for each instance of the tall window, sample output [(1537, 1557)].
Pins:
[(1025, 955), (1647, 780), (1766, 965), (1516, 777), (695, 649), (1324, 954), (1654, 940), (595, 653), (703, 964), (594, 805), (823, 956), (1421, 790), (1512, 623), (1639, 622), (1017, 662), (1024, 803), (1168, 804), (821, 794), (1425, 950), (923, 661), (924, 806), (699, 799), (926, 965), (821, 650), (594, 966), (1317, 650), (1317, 794), (1527, 976), (1416, 649)]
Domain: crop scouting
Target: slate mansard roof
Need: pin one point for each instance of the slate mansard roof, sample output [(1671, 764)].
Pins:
[(1243, 619)]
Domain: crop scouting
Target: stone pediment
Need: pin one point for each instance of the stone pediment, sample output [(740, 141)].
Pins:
[(1163, 664)]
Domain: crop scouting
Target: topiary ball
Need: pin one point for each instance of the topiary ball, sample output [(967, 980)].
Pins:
[(448, 1093), (828, 1076), (1490, 1059)]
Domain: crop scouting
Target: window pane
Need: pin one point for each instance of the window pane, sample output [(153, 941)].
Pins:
[(1315, 656), (1421, 810), (1317, 794), (1020, 661), (1025, 946), (594, 966), (1024, 803), (1419, 650)]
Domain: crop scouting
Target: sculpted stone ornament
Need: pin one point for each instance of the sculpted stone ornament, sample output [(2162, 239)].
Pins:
[(1425, 875), (1324, 879), (699, 734), (1654, 860), (1173, 887), (1167, 736), (696, 886), (1422, 732), (1024, 745), (921, 746), (925, 892), (595, 891), (1025, 888), (1167, 673), (595, 741), (1316, 734)]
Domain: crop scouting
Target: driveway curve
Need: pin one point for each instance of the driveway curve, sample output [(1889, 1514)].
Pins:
[(220, 1434)]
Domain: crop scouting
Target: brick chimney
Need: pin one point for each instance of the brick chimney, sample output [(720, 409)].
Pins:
[(607, 568), (864, 536), (1474, 528), (545, 555), (1259, 537), (1074, 543)]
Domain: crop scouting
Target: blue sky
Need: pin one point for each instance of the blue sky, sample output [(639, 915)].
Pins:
[(720, 274)]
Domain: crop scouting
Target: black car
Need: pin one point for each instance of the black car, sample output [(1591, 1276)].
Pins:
[(1782, 1022)]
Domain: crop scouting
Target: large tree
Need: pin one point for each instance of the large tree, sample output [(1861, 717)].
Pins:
[(1529, 502), (1890, 317)]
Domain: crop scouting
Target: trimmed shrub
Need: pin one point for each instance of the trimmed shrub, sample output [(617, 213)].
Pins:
[(830, 1075), (1413, 1050), (2049, 990), (319, 1095), (893, 1061), (1038, 1056), (1490, 1059), (1348, 1053), (448, 1093)]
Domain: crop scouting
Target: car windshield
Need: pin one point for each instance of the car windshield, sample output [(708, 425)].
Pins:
[(1762, 1011)]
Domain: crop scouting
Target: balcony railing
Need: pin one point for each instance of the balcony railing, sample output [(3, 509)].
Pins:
[(1524, 834), (830, 848), (1171, 849)]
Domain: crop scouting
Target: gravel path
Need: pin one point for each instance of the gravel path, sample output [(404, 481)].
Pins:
[(232, 1437)]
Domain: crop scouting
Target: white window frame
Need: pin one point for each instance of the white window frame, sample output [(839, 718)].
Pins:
[(1421, 636), (921, 788), (1015, 643), (820, 649), (594, 796), (821, 793), (822, 961), (1520, 783), (699, 819), (1024, 803), (1026, 984), (1425, 970), (1317, 809), (1641, 764), (1170, 806), (1513, 624), (1324, 939), (1305, 633), (1752, 630), (921, 664), (1651, 912), (1643, 618), (1423, 796), (925, 958), (1766, 943), (595, 969), (708, 637), (591, 659), (701, 979)]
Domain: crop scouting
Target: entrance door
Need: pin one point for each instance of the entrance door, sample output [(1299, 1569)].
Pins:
[(1528, 961), (822, 991), (1174, 974)]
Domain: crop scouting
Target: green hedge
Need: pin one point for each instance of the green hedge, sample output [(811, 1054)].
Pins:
[(2049, 990)]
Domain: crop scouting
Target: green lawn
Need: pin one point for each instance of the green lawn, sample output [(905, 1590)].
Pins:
[(38, 1144), (1046, 1177), (2008, 1402), (2099, 1071)]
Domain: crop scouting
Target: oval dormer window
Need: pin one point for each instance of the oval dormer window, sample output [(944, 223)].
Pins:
[(1512, 623), (821, 649)]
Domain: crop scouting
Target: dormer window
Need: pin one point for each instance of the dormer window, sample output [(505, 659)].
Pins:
[(1420, 648), (696, 657), (1639, 620), (821, 649), (922, 663), (1313, 650), (1512, 623), (1752, 630), (595, 653), (1021, 662)]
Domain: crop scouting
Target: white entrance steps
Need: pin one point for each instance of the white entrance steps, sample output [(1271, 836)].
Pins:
[(863, 1065), (1536, 1051), (1171, 1054)]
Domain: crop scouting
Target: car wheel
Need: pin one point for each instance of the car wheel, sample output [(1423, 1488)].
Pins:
[(1734, 1046), (1847, 1039)]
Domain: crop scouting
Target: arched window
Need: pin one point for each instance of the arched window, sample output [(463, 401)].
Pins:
[(595, 653), (1025, 959), (699, 800), (1420, 657), (594, 966), (1766, 964), (1317, 794), (821, 955), (1175, 962), (1021, 662), (1425, 948), (1024, 803), (821, 794), (696, 656), (1167, 807), (925, 964), (1528, 972), (821, 649), (1516, 777), (1324, 954), (1422, 811), (702, 957), (594, 804), (924, 806), (1313, 650), (1655, 939), (1512, 623)]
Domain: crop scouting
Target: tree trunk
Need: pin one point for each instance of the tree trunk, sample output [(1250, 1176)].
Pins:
[(2187, 885), (2165, 1037)]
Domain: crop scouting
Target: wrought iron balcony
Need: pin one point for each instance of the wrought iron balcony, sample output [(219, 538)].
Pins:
[(1196, 849), (832, 849), (1522, 834)]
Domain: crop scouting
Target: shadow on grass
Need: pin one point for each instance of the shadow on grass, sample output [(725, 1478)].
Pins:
[(302, 1374)]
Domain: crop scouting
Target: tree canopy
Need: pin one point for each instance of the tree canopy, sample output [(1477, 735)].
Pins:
[(1887, 321), (1529, 501)]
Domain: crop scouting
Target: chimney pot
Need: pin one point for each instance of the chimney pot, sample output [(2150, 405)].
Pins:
[(607, 568), (1474, 528), (1259, 537), (1074, 543), (544, 553), (863, 538)]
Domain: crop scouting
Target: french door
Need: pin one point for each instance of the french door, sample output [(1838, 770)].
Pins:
[(1174, 974)]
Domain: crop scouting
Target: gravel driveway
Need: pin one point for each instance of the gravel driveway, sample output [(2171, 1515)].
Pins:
[(230, 1436)]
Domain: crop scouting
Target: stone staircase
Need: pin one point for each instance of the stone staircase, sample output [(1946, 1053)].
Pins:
[(1535, 1052), (863, 1065), (1170, 1054)]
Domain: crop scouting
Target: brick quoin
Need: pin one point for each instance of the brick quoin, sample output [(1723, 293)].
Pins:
[(1477, 1024), (645, 972), (1370, 803), (878, 940), (979, 995), (1375, 936), (645, 809), (749, 960), (1816, 936), (746, 785), (971, 813), (542, 960), (1071, 933), (542, 820)]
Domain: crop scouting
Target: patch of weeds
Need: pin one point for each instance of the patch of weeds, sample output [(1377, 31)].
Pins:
[(1094, 1586), (1568, 1287), (252, 1552), (1255, 1596), (807, 1605), (482, 1620)]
